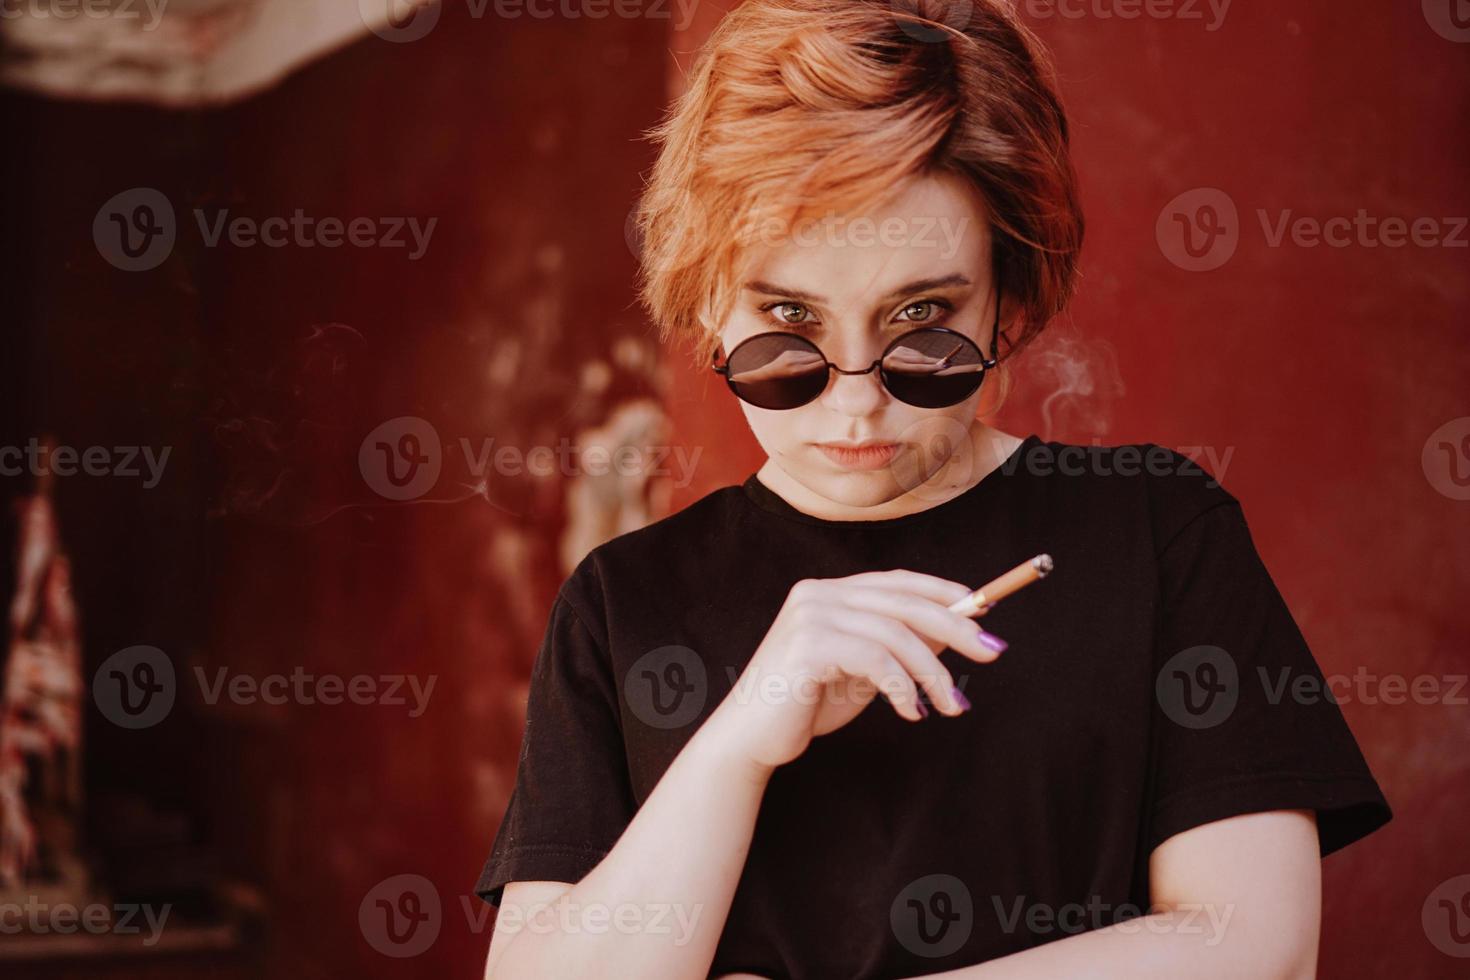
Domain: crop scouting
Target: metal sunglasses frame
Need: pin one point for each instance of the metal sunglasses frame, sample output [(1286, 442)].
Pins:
[(985, 364)]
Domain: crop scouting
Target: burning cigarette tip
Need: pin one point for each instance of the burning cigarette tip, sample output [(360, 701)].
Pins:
[(1043, 565)]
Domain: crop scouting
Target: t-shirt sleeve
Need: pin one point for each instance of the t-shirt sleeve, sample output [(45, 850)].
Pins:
[(1243, 719), (572, 797)]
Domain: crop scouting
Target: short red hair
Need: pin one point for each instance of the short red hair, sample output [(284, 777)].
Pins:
[(801, 107)]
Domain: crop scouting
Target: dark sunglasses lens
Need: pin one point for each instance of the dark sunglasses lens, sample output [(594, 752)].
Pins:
[(777, 371), (933, 368)]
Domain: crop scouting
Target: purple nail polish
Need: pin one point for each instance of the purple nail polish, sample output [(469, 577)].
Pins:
[(923, 710), (959, 696), (992, 641)]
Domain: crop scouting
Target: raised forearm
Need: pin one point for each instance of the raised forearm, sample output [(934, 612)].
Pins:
[(656, 905)]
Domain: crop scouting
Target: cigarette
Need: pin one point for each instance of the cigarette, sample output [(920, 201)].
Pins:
[(978, 603)]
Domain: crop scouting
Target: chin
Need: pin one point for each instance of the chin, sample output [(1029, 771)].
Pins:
[(859, 488)]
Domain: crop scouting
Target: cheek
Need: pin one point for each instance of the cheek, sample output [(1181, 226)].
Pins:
[(773, 430), (938, 433)]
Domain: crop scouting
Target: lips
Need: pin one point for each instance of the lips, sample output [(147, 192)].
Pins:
[(860, 456)]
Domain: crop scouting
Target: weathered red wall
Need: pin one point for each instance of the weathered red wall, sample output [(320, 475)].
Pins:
[(1322, 371), (265, 550)]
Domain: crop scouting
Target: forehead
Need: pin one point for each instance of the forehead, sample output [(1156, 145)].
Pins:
[(931, 226)]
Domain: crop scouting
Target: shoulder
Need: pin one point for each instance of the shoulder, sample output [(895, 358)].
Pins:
[(1148, 481), (657, 556)]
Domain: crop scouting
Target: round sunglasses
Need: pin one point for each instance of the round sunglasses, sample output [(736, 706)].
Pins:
[(929, 367)]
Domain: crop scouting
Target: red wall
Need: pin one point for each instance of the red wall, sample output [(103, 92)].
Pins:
[(1322, 371)]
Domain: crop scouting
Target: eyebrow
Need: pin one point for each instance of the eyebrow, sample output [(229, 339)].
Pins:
[(918, 285)]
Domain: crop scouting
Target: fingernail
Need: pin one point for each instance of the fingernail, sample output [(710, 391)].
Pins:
[(923, 711), (992, 641), (959, 696)]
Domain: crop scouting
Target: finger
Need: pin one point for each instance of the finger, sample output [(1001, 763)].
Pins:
[(866, 660), (930, 619), (912, 654), (941, 590)]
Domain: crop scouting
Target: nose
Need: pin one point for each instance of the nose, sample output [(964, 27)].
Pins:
[(855, 395)]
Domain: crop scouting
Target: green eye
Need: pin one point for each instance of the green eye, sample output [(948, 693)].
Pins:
[(789, 306)]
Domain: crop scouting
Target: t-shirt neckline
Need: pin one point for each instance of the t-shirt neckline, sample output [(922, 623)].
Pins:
[(768, 500)]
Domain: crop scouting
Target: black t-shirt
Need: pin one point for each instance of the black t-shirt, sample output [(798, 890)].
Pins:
[(1155, 681)]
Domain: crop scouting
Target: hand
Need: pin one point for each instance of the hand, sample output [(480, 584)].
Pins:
[(911, 361), (788, 363), (834, 644)]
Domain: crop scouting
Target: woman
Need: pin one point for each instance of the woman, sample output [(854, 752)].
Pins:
[(861, 212)]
